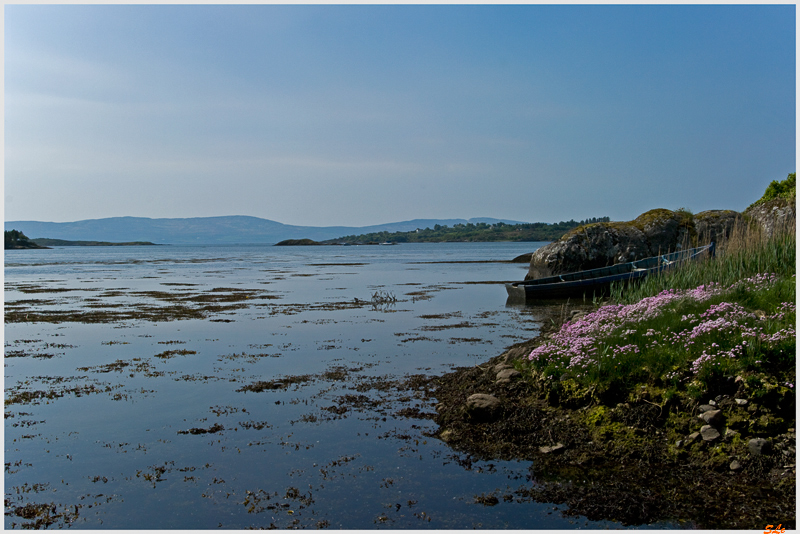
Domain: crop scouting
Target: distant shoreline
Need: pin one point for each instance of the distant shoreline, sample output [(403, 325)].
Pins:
[(47, 242)]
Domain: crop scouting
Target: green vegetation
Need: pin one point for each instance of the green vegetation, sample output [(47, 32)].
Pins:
[(721, 330), (687, 334), (14, 239), (481, 232), (786, 189), (297, 242)]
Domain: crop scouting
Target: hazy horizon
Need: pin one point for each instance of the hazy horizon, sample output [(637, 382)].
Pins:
[(360, 115)]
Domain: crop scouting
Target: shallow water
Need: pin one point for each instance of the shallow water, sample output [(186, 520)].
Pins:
[(279, 407)]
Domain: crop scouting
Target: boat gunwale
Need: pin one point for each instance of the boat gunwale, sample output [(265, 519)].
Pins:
[(593, 278)]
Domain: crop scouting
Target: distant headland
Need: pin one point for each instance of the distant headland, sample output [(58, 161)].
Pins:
[(16, 240), (65, 243)]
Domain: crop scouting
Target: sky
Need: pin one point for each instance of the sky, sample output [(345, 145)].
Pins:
[(356, 115)]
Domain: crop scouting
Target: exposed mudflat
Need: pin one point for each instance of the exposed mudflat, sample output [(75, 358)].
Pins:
[(250, 387)]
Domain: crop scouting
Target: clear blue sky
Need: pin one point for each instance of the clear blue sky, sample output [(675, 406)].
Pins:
[(358, 115)]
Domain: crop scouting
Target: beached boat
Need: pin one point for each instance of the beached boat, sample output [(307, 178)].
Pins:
[(595, 282)]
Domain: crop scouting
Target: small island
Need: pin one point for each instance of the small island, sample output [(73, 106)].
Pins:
[(15, 240), (297, 243)]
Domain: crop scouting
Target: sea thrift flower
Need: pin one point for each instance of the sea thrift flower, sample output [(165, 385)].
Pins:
[(576, 344)]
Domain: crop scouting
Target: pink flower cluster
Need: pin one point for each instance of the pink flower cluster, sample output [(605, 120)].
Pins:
[(578, 344)]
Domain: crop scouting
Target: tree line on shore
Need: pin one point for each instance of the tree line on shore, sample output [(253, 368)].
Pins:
[(473, 232), (14, 239)]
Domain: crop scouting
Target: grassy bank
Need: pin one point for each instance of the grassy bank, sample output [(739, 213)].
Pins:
[(690, 332)]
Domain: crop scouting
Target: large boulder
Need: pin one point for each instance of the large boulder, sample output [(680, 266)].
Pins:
[(715, 225), (657, 231), (773, 215)]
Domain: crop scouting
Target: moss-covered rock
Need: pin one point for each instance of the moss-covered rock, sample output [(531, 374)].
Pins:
[(658, 231)]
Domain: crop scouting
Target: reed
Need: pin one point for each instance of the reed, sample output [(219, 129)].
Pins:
[(746, 252)]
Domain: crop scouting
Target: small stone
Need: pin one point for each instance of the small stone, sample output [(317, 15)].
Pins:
[(759, 446), (730, 434), (738, 380), (501, 366), (735, 466), (558, 447), (691, 438), (741, 402), (705, 408), (679, 444), (712, 402), (713, 417), (446, 435), (482, 406), (709, 433), (508, 374)]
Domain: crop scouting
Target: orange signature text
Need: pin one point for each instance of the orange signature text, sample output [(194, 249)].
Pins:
[(777, 530)]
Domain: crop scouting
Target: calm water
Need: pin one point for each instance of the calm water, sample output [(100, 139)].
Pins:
[(148, 424)]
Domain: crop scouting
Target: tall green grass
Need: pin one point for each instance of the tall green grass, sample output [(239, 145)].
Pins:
[(748, 251)]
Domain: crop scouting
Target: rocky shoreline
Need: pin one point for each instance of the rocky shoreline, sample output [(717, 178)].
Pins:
[(623, 462)]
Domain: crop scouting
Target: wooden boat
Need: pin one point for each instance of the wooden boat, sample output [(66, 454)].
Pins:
[(595, 282)]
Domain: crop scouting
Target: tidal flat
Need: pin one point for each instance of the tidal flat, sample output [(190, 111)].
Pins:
[(254, 387)]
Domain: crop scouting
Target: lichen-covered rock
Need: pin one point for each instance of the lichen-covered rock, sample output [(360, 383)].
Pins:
[(714, 225), (773, 215), (657, 231)]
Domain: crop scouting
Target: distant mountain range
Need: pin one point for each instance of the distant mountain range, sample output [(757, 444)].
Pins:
[(212, 230)]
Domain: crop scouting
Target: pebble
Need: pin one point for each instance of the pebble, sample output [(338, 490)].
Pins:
[(709, 433), (558, 447), (501, 367), (730, 434), (508, 374), (713, 417), (735, 465), (741, 402)]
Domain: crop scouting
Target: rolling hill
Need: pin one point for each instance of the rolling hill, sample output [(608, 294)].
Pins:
[(211, 230)]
